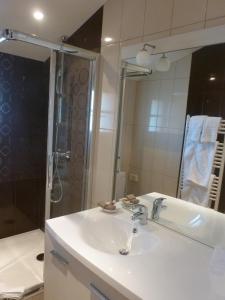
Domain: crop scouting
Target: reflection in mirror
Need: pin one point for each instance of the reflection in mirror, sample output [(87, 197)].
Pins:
[(171, 137)]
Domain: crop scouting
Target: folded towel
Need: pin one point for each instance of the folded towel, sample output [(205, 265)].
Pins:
[(195, 128), (199, 163), (197, 194), (210, 129), (7, 292)]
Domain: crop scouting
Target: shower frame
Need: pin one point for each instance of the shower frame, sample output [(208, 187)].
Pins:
[(13, 35)]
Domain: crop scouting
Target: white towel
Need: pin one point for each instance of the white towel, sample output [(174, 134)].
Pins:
[(199, 163), (195, 128), (7, 292), (210, 130), (197, 194)]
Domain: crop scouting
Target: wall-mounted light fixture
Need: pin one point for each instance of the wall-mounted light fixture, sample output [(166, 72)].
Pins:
[(143, 57), (163, 64)]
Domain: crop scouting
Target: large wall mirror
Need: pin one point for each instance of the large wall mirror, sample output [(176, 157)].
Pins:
[(171, 127)]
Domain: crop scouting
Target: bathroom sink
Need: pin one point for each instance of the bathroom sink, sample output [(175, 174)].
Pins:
[(110, 235)]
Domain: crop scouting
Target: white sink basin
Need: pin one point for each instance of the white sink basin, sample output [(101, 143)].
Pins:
[(94, 239), (109, 235)]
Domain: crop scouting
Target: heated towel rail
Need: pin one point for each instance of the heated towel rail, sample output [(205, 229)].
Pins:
[(218, 166)]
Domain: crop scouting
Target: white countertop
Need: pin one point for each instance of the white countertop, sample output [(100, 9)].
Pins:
[(176, 268)]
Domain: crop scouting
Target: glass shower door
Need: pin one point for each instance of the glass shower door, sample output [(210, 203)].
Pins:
[(71, 134)]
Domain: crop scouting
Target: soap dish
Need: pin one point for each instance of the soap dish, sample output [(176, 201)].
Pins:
[(109, 207), (110, 211)]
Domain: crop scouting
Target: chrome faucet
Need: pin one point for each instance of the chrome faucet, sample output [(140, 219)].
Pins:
[(141, 214), (157, 205)]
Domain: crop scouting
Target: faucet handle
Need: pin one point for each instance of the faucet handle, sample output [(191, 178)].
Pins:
[(157, 206), (159, 201), (141, 207)]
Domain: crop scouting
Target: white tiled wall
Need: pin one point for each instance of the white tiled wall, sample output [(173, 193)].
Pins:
[(188, 12), (132, 29), (106, 128), (130, 19), (130, 22), (215, 9), (112, 10), (158, 16), (152, 149)]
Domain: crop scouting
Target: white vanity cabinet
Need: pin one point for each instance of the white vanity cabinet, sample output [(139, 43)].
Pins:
[(67, 279), (60, 283)]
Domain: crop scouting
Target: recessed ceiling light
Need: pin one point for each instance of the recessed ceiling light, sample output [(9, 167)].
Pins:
[(212, 78), (108, 39), (38, 15)]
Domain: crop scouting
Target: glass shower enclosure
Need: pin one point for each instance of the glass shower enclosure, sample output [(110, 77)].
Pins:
[(71, 109), (70, 133)]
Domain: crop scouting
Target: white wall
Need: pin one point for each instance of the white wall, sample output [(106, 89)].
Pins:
[(129, 22)]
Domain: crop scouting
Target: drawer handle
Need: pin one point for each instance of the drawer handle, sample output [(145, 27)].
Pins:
[(95, 291), (59, 257)]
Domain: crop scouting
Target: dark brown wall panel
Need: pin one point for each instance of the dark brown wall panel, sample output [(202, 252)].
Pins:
[(89, 35), (23, 135), (208, 97)]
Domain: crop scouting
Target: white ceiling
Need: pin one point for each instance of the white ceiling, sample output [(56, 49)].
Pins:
[(62, 17)]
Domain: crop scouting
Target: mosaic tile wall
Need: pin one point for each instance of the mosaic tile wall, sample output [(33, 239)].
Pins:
[(23, 134)]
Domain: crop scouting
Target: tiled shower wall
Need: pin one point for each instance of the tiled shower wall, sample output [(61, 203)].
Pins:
[(131, 22), (23, 136), (154, 125)]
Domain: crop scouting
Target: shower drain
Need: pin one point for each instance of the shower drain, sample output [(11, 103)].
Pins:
[(40, 257)]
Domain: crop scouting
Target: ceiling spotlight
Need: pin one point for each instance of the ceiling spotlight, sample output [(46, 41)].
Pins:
[(38, 15), (212, 78), (143, 57), (108, 39), (163, 64)]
